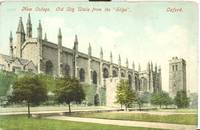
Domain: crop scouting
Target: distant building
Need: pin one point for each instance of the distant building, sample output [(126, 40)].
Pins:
[(177, 75)]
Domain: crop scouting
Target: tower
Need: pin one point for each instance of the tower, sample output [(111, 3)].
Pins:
[(20, 38), (177, 75), (59, 52), (28, 27)]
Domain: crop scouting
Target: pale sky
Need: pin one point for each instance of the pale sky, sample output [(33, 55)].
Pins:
[(146, 32)]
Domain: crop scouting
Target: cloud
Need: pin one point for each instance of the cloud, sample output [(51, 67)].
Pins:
[(108, 37)]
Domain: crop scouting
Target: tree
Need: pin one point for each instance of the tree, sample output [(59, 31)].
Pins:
[(29, 89), (69, 90), (167, 100), (124, 94), (161, 98), (142, 98), (181, 100)]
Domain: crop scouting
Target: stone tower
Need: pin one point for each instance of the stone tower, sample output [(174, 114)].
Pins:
[(177, 75)]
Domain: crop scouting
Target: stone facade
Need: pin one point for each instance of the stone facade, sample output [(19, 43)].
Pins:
[(177, 75), (57, 60)]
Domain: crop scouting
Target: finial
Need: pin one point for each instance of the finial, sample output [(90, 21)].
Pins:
[(40, 25), (139, 67), (59, 33), (127, 62), (133, 65), (45, 36), (119, 60), (11, 37), (76, 39), (29, 19)]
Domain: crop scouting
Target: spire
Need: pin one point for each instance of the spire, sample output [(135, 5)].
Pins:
[(76, 44), (119, 60), (20, 28), (133, 65), (101, 53), (59, 33), (76, 39), (127, 62), (89, 50), (148, 67), (139, 68), (45, 36), (11, 37), (159, 69), (29, 27), (59, 38), (11, 44), (151, 67), (156, 68), (39, 30), (111, 57), (40, 25), (29, 19)]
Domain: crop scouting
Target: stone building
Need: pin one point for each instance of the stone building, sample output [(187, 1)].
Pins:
[(57, 60), (177, 75)]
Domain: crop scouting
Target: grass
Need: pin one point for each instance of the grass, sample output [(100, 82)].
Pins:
[(23, 123), (187, 119)]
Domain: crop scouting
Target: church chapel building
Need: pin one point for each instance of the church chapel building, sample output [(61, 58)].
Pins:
[(38, 55)]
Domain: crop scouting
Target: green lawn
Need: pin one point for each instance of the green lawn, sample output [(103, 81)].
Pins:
[(188, 119), (23, 123)]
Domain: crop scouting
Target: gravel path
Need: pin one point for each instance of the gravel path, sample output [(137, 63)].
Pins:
[(127, 123)]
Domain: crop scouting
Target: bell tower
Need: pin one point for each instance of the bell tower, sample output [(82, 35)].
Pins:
[(177, 75)]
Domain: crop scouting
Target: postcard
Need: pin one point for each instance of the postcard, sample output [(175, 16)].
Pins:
[(98, 65)]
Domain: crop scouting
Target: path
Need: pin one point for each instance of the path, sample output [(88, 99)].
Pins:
[(127, 123)]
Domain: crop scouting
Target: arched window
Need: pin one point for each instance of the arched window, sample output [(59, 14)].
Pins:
[(114, 73), (122, 74), (136, 84), (49, 67), (105, 73), (143, 84), (66, 70), (94, 77), (82, 75), (130, 80)]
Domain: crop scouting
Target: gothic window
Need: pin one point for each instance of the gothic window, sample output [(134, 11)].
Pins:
[(105, 73), (144, 84), (94, 77), (66, 70), (130, 80), (49, 67), (82, 75), (172, 67), (122, 74), (176, 67), (136, 84), (114, 73)]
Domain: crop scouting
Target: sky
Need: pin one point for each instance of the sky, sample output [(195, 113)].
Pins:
[(139, 31)]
